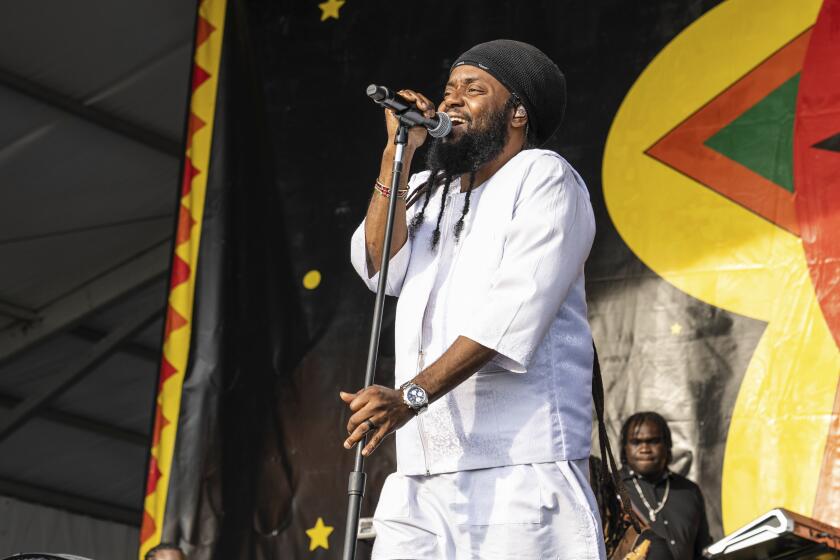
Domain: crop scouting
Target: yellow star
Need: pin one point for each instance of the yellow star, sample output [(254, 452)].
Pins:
[(329, 9), (319, 535), (676, 328)]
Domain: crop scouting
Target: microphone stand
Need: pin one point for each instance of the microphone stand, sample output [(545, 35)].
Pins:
[(356, 485)]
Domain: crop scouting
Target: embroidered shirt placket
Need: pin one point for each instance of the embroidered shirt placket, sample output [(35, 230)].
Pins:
[(444, 237), (420, 418)]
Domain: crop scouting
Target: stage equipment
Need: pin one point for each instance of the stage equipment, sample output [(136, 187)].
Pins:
[(366, 529), (356, 485), (779, 534), (438, 126)]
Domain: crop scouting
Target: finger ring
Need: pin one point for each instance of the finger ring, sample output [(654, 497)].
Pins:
[(370, 425)]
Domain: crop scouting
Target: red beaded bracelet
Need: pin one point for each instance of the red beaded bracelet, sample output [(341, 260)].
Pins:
[(386, 191)]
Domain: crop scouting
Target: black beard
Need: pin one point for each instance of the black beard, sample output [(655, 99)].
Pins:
[(473, 149)]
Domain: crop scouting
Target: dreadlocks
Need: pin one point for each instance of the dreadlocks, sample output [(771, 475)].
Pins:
[(426, 188), (617, 512), (436, 233), (459, 226), (635, 422), (613, 517)]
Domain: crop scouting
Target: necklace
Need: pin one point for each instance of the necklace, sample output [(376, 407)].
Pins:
[(651, 511)]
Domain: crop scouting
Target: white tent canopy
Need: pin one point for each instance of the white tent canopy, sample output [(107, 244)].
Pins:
[(93, 97)]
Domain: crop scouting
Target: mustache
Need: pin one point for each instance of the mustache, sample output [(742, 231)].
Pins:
[(481, 140), (465, 118)]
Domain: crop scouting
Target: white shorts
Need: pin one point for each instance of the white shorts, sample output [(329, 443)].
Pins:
[(544, 511)]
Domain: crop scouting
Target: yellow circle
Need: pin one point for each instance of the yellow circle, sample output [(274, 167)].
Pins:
[(312, 280)]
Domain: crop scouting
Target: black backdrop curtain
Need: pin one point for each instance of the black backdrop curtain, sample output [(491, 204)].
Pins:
[(296, 150)]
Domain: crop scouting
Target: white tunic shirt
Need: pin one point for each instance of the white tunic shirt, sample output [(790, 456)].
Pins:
[(513, 283)]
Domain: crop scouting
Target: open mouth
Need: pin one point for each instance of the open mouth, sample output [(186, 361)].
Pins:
[(457, 121)]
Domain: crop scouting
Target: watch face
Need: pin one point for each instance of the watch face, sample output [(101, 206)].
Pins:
[(416, 396)]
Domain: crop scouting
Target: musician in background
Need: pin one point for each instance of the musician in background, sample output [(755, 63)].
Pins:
[(670, 503), (166, 551)]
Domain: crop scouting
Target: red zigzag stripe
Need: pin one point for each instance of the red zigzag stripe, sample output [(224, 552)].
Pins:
[(189, 174), (179, 275)]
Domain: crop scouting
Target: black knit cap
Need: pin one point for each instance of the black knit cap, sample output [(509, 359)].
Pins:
[(527, 72)]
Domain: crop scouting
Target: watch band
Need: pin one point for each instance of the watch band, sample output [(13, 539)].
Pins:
[(418, 409)]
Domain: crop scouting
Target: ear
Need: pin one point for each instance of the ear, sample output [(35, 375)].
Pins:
[(520, 117)]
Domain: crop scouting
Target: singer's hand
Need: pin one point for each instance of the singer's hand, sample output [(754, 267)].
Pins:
[(417, 134), (382, 406)]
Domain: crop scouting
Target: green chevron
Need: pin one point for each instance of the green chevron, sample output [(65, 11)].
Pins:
[(761, 139)]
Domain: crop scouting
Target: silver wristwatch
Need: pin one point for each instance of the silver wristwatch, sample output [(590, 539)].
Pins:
[(415, 397)]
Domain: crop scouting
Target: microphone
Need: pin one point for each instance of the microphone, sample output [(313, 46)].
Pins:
[(438, 126)]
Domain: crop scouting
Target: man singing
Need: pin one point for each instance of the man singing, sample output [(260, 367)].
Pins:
[(493, 348)]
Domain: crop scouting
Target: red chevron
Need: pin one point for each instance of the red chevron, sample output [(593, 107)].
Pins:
[(189, 173), (195, 124), (203, 29), (174, 321), (180, 272), (161, 422), (683, 148), (154, 476), (167, 370), (200, 75), (185, 224), (148, 528), (159, 419)]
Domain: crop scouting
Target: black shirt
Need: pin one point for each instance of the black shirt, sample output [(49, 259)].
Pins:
[(659, 549), (682, 520)]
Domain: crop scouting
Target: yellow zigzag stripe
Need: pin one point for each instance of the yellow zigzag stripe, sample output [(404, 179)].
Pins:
[(176, 347)]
